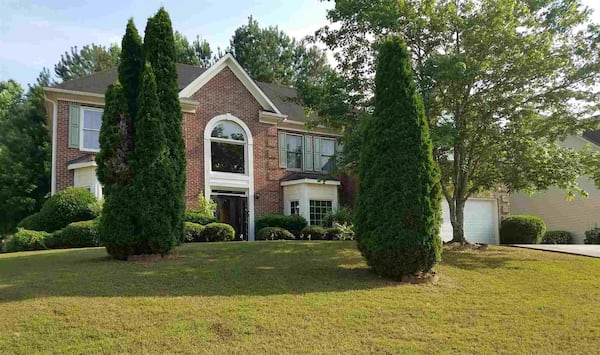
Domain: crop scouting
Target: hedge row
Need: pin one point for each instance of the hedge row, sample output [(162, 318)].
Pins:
[(85, 234), (67, 206)]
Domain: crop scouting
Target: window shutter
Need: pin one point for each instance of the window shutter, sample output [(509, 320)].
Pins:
[(74, 122), (282, 151), (317, 153), (308, 157)]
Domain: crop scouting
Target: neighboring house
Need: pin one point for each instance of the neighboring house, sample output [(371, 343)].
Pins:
[(575, 216), (246, 144)]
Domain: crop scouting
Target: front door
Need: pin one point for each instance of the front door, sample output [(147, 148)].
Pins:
[(232, 208)]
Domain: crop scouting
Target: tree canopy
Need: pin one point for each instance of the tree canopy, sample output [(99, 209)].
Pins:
[(502, 83)]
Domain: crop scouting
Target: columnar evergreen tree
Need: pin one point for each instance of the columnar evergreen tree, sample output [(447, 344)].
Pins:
[(159, 51), (118, 222), (398, 206), (131, 66), (153, 171)]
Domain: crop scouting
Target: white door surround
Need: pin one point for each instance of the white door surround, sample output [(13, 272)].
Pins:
[(231, 181)]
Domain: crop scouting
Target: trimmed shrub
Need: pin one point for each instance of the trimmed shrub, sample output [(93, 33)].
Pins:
[(333, 233), (193, 232), (314, 233), (341, 216), (290, 223), (66, 206), (26, 240), (33, 222), (592, 236), (218, 232), (199, 218), (522, 229), (398, 211), (557, 237), (76, 235), (274, 233)]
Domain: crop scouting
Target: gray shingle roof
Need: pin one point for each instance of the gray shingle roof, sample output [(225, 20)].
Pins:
[(592, 136), (285, 98)]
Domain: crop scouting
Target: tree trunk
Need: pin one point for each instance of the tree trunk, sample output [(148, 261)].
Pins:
[(457, 220)]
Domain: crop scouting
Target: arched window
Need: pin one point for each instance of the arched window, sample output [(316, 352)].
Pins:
[(228, 148)]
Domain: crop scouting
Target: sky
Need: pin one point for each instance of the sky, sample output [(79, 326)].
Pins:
[(34, 33)]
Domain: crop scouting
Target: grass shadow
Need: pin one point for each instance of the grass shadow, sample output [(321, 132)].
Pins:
[(202, 269)]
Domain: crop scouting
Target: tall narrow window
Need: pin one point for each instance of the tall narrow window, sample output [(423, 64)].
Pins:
[(294, 151), (228, 148), (327, 154), (318, 210), (91, 120)]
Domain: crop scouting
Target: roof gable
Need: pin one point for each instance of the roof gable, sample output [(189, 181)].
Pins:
[(229, 62)]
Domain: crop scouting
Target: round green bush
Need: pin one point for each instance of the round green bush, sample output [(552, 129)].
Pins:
[(193, 232), (522, 229), (314, 233), (33, 222), (66, 206), (290, 223), (199, 218), (592, 236), (274, 233), (333, 233), (26, 240), (217, 232), (557, 237), (81, 234)]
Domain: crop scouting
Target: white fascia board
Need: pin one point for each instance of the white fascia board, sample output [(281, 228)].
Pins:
[(240, 73), (85, 164), (311, 181)]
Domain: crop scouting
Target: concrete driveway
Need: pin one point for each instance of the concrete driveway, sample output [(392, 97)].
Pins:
[(576, 249)]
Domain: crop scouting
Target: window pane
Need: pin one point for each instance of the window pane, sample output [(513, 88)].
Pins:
[(318, 210), (294, 151), (295, 208), (92, 119), (228, 130), (228, 158), (327, 147), (90, 140)]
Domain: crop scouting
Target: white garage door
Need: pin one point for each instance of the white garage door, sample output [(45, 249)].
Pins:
[(481, 221)]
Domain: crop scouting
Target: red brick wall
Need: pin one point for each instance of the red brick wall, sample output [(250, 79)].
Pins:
[(226, 94), (64, 177)]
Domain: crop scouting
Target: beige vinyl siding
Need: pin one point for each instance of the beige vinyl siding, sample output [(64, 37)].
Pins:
[(575, 216)]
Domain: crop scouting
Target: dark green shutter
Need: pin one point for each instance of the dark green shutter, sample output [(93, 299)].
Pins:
[(308, 157), (74, 122), (282, 151)]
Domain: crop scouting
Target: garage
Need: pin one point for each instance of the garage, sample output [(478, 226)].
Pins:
[(481, 221)]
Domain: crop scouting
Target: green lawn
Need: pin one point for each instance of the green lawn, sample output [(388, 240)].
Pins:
[(295, 297)]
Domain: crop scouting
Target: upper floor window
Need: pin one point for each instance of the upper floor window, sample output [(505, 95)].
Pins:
[(91, 120), (294, 151), (306, 152), (327, 161), (228, 148)]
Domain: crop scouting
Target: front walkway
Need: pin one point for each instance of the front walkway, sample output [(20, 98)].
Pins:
[(576, 249)]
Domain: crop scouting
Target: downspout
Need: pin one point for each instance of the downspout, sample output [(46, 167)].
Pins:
[(54, 129)]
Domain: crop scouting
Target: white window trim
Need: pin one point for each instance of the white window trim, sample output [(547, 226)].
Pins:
[(81, 129), (223, 180), (301, 152)]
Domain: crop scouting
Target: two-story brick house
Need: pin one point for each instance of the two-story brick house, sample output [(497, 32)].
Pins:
[(246, 144)]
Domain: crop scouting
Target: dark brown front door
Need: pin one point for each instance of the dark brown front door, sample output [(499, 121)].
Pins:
[(233, 210)]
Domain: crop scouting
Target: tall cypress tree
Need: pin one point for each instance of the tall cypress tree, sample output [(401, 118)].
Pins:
[(159, 51), (131, 66), (398, 205), (153, 173), (117, 222)]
